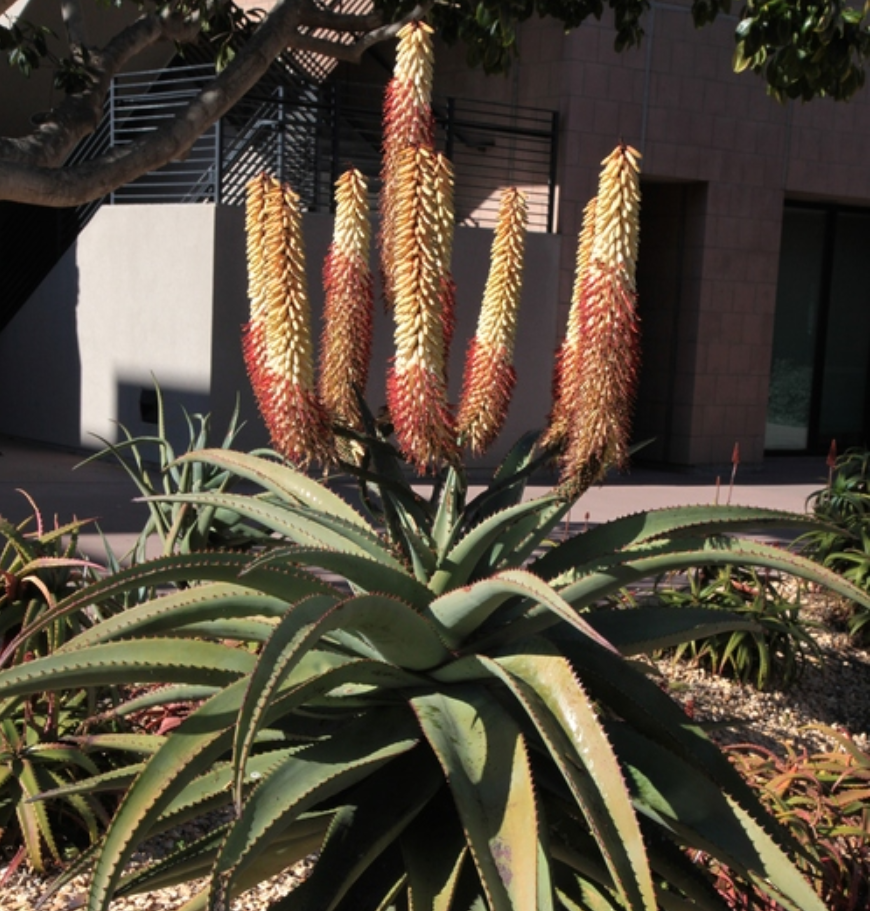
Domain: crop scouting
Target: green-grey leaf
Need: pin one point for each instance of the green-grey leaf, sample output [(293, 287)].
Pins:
[(484, 757), (555, 700), (282, 480)]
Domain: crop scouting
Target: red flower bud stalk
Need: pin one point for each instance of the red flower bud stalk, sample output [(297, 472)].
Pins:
[(417, 382), (605, 362), (277, 341), (567, 376), (490, 376), (408, 123), (346, 342)]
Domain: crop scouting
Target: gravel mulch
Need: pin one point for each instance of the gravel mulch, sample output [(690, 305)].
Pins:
[(833, 690)]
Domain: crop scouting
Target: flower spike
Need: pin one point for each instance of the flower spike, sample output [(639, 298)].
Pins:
[(347, 335), (489, 372), (277, 340), (408, 123), (567, 376), (598, 367), (417, 383)]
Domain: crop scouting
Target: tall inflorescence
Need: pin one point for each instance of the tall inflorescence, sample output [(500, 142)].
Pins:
[(346, 342), (408, 123), (596, 369), (422, 300), (416, 240), (490, 376), (277, 340)]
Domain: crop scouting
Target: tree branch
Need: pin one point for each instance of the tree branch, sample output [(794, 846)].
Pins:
[(27, 174), (78, 114), (71, 13)]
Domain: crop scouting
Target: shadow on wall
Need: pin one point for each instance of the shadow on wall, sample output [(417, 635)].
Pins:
[(40, 362), (138, 413)]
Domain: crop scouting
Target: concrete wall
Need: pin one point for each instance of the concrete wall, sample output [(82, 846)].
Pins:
[(161, 290)]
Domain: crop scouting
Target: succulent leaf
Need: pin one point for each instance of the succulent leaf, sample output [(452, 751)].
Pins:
[(320, 770), (366, 826), (284, 481), (364, 573), (461, 612), (685, 801), (115, 663), (484, 758), (307, 526), (564, 716), (639, 528)]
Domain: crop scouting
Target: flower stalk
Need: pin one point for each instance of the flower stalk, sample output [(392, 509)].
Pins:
[(490, 376), (596, 373), (277, 341), (346, 342)]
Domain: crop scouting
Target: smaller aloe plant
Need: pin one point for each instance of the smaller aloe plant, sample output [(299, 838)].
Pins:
[(824, 799), (845, 506), (150, 461), (772, 650), (39, 751)]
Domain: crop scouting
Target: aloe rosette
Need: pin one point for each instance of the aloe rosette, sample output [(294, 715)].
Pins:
[(463, 732), (424, 691)]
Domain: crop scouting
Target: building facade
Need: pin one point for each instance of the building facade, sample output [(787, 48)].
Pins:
[(755, 221), (753, 294)]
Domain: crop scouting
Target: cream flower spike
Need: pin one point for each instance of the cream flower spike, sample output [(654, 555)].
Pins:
[(347, 335), (490, 376), (277, 340), (607, 330), (417, 383), (408, 123)]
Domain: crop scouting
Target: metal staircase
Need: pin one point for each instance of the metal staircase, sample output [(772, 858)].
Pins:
[(302, 124)]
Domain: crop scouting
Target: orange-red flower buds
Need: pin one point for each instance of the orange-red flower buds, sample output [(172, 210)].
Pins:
[(417, 384), (598, 363)]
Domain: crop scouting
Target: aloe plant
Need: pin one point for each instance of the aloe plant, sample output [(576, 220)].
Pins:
[(417, 689), (469, 698), (40, 745), (150, 463)]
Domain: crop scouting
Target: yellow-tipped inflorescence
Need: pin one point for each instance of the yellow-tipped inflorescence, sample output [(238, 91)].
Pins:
[(489, 373), (417, 384), (277, 340), (347, 280), (567, 377), (597, 365), (408, 123)]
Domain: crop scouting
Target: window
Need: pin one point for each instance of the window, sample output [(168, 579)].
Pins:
[(820, 362)]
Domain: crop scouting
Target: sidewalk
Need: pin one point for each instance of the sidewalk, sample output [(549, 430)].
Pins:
[(103, 491)]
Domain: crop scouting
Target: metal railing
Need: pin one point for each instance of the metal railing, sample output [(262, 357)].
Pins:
[(307, 134), (304, 132)]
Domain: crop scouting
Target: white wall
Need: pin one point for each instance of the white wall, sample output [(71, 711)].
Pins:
[(162, 290)]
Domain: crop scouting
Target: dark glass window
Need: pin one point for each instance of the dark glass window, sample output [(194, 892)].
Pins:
[(820, 362)]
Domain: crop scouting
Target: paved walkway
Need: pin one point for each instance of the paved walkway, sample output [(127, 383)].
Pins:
[(101, 490)]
